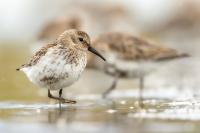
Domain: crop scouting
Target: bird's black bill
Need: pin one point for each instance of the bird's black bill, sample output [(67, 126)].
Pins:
[(91, 49)]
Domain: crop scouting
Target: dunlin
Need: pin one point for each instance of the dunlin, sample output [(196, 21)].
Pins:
[(129, 57), (60, 64)]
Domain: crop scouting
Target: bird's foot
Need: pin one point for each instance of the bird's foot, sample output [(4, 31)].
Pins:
[(67, 101), (105, 95)]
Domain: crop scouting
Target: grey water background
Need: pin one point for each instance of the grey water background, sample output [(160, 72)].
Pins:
[(171, 92)]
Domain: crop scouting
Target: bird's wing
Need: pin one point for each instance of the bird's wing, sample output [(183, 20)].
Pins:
[(150, 51), (164, 54), (37, 56), (128, 47)]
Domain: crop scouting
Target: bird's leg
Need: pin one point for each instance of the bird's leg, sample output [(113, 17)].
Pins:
[(141, 87), (60, 94), (60, 98), (112, 87)]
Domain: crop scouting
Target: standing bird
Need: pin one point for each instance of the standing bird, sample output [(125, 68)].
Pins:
[(129, 57), (60, 64)]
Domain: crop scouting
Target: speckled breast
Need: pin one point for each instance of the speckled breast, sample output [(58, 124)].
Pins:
[(58, 69)]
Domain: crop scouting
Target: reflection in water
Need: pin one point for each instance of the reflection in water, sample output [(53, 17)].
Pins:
[(101, 116), (65, 115)]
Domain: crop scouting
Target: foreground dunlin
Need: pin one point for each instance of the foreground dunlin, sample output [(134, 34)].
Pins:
[(129, 57), (60, 64)]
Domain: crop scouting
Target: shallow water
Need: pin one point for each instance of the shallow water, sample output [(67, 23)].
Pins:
[(24, 108), (100, 116)]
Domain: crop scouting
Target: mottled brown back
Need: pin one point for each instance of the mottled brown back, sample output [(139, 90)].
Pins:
[(128, 47), (37, 56)]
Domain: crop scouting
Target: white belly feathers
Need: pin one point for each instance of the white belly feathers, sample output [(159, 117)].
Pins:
[(53, 72)]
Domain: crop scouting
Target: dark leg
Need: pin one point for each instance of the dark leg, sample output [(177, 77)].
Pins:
[(141, 87), (60, 94), (60, 98), (112, 87)]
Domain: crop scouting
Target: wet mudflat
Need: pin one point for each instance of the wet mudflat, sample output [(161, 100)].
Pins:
[(96, 117)]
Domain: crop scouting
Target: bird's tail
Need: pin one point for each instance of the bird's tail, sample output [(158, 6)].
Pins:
[(173, 56), (18, 69)]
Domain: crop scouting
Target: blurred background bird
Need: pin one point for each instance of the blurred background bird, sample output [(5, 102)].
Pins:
[(130, 57)]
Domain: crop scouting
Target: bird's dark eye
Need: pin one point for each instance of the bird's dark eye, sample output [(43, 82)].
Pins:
[(80, 39)]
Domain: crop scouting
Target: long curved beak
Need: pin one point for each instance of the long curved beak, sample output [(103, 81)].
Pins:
[(91, 49)]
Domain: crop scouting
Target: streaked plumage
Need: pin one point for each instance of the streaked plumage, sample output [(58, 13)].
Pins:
[(55, 66)]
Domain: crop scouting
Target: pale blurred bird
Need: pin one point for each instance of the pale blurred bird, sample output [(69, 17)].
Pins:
[(129, 57), (54, 28), (60, 64)]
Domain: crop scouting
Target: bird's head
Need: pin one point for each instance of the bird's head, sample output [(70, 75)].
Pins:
[(78, 40)]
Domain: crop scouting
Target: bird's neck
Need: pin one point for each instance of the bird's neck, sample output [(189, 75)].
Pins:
[(77, 55)]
